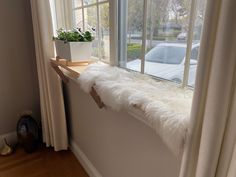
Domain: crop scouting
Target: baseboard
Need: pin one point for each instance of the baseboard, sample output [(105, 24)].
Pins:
[(10, 137), (88, 166)]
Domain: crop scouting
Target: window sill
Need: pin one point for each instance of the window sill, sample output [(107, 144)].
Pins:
[(160, 105)]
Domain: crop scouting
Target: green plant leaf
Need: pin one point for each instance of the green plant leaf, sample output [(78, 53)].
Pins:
[(75, 35)]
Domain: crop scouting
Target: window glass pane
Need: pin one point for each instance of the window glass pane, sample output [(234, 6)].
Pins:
[(78, 18), (77, 3), (104, 31), (88, 2), (201, 4), (194, 53), (167, 27), (132, 26), (166, 38), (90, 17)]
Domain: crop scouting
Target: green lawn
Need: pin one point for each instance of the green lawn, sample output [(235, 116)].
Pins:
[(134, 51)]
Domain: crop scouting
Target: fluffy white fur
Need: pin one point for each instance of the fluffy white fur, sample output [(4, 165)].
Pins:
[(166, 106)]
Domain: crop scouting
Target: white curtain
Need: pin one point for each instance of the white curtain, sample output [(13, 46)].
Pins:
[(62, 15), (211, 150), (51, 96)]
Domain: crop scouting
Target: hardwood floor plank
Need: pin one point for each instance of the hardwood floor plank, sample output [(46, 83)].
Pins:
[(43, 163)]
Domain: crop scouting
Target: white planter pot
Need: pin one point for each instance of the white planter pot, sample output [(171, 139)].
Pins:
[(74, 51)]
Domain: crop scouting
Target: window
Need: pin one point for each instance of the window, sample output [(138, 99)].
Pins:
[(155, 37), (161, 37), (94, 14)]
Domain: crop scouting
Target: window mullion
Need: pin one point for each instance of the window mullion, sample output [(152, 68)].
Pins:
[(189, 42), (144, 36), (99, 31), (94, 4), (122, 32), (113, 23), (83, 19)]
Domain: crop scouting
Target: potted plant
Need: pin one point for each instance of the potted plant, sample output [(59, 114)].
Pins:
[(74, 45)]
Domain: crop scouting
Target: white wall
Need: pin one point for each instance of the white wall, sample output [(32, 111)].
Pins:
[(18, 74), (117, 144)]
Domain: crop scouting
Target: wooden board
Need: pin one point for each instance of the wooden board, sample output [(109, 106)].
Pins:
[(73, 68), (70, 63), (97, 98), (63, 70)]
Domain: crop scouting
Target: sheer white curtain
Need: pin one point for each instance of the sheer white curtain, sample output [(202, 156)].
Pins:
[(211, 148), (62, 15), (51, 96)]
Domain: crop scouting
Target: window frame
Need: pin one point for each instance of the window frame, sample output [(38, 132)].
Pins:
[(120, 36), (98, 27)]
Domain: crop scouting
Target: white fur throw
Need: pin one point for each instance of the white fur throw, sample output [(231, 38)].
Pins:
[(166, 106)]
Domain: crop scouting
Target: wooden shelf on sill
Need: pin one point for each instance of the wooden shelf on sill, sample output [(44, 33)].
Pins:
[(73, 70)]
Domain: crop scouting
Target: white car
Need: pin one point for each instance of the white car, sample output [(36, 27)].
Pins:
[(166, 60), (182, 36)]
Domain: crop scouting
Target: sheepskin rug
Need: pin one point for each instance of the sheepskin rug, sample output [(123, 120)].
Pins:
[(166, 107)]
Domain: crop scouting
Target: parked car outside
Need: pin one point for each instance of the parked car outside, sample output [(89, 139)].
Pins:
[(182, 36), (167, 60)]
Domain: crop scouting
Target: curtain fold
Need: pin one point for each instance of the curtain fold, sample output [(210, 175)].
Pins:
[(232, 169), (51, 95), (212, 134)]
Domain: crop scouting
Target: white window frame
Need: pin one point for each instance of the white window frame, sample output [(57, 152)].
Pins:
[(98, 28), (113, 24), (119, 38)]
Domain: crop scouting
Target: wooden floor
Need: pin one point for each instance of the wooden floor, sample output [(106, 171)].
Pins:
[(42, 163)]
